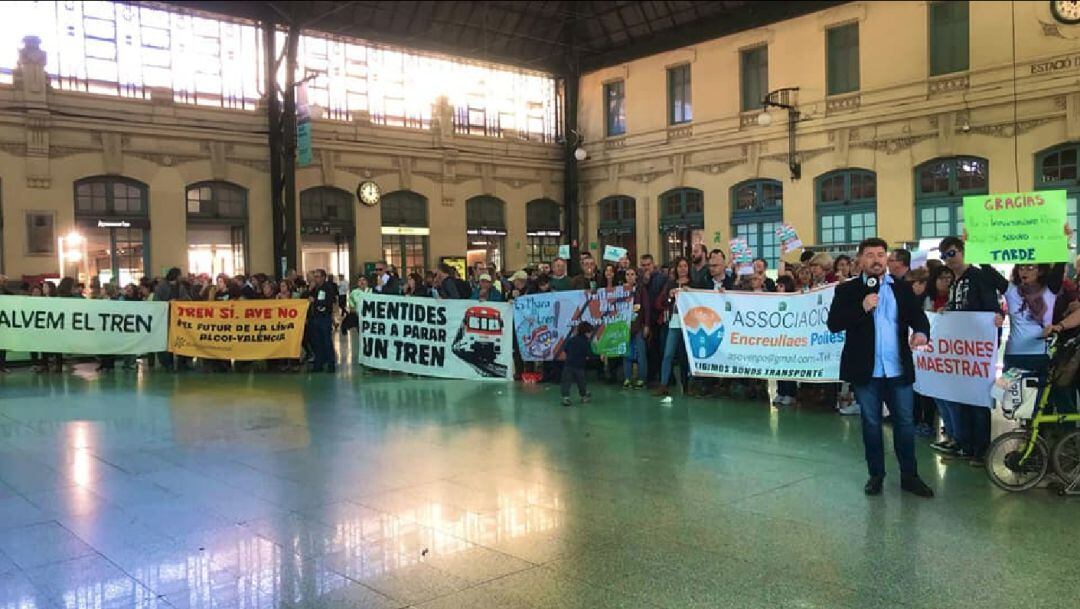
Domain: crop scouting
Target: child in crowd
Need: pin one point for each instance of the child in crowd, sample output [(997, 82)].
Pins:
[(577, 349)]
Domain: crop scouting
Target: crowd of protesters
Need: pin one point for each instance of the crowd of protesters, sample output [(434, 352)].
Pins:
[(1035, 299)]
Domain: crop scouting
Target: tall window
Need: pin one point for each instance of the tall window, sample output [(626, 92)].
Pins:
[(216, 228), (1058, 168), (112, 214), (486, 230), (948, 32), (405, 230), (618, 224), (110, 196), (326, 230), (682, 221), (754, 77), (678, 81), (543, 229), (940, 188), (615, 107), (846, 206), (757, 209), (842, 63)]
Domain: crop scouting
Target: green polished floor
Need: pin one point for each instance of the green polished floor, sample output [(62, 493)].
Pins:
[(265, 491)]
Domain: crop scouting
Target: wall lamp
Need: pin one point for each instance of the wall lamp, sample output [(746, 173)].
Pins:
[(782, 98)]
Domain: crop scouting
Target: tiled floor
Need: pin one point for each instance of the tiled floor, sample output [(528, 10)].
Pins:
[(267, 491)]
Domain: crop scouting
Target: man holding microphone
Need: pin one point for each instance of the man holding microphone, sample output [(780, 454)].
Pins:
[(877, 313)]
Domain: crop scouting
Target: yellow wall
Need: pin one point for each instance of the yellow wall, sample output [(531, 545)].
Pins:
[(900, 118), (168, 146)]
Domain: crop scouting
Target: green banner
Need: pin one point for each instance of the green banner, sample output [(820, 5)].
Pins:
[(1016, 227)]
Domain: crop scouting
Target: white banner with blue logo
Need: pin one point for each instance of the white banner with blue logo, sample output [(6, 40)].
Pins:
[(761, 335)]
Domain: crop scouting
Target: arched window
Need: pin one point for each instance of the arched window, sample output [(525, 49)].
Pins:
[(1058, 168), (216, 228), (486, 230), (543, 231), (618, 224), (112, 214), (682, 221), (757, 210), (940, 187), (326, 229), (405, 230), (846, 207)]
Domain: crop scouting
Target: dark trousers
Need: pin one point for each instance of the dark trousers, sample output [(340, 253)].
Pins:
[(972, 428), (871, 397), (654, 349), (322, 342), (572, 376), (787, 389), (3, 358)]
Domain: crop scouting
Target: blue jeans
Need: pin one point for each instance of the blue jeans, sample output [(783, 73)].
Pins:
[(322, 342), (948, 417), (673, 348), (639, 354), (972, 426), (899, 394)]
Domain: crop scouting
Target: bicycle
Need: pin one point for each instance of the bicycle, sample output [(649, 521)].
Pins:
[(1020, 459)]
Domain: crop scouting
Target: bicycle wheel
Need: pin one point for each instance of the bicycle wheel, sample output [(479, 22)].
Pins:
[(1003, 461), (1066, 457)]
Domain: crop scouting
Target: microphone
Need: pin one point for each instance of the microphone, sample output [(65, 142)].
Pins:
[(873, 284)]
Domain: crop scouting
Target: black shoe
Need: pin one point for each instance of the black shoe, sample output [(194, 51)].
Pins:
[(947, 447), (916, 487), (566, 402), (873, 485)]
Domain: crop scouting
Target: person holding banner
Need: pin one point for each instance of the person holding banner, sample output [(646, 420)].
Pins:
[(323, 298), (876, 313), (673, 342), (639, 332)]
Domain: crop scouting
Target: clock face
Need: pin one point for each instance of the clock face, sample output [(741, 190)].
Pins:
[(368, 193), (1066, 11)]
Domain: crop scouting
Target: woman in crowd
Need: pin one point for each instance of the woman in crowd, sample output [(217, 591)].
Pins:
[(804, 278), (639, 332), (821, 270), (938, 282), (786, 391), (415, 286), (267, 290), (925, 408), (842, 267), (669, 316), (611, 279)]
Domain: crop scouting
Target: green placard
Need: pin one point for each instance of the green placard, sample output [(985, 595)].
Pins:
[(1016, 227)]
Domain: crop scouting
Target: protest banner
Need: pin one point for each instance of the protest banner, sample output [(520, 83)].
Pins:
[(789, 239), (1021, 227), (237, 329), (761, 335), (446, 338), (543, 322), (960, 362), (742, 255), (613, 253), (81, 326)]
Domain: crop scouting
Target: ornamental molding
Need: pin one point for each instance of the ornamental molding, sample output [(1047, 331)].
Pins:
[(844, 103), (14, 148), (716, 168), (680, 132), (1006, 130), (256, 164), (895, 144), (946, 85), (615, 144), (166, 160), (59, 152)]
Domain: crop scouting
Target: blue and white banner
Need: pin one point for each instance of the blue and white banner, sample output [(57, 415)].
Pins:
[(761, 335)]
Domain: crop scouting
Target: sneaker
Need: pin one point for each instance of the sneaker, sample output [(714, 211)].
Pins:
[(916, 487), (639, 385), (627, 384), (585, 398), (566, 402), (873, 486), (947, 447), (779, 401), (667, 399), (850, 410)]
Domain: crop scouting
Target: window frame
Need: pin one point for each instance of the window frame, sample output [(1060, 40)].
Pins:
[(938, 31), (680, 85), (28, 217), (110, 197), (848, 205), (952, 198), (747, 104), (389, 199), (853, 81), (760, 217), (495, 229), (347, 198), (215, 186), (615, 124), (1070, 186)]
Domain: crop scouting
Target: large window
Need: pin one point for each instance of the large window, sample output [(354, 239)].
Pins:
[(543, 229), (216, 228), (682, 221), (846, 206), (1058, 168), (948, 31), (753, 77), (112, 216), (615, 108), (486, 230), (618, 224), (940, 188), (405, 230), (679, 99), (326, 230), (110, 196), (757, 209), (124, 49), (842, 61)]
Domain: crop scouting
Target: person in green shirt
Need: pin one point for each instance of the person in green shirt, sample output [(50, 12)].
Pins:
[(559, 280)]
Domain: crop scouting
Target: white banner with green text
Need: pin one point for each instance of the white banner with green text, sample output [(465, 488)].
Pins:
[(80, 326)]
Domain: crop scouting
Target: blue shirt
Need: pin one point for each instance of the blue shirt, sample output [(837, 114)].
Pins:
[(886, 332)]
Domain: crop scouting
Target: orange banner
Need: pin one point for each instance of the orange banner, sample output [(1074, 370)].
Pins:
[(237, 329)]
